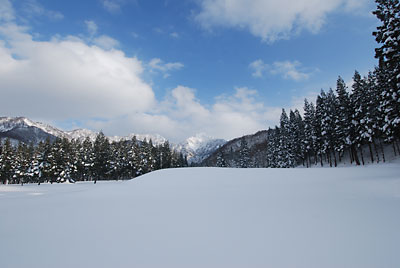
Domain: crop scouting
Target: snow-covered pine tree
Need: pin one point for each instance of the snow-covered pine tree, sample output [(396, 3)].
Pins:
[(36, 164), (328, 127), (165, 155), (133, 157), (46, 154), (319, 115), (310, 136), (244, 154), (374, 117), (18, 169), (359, 99), (152, 156), (273, 146), (388, 36), (145, 154), (285, 155), (101, 148), (220, 159), (6, 161), (296, 135), (344, 126), (85, 160)]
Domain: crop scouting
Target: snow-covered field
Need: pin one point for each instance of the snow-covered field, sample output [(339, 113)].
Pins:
[(208, 217)]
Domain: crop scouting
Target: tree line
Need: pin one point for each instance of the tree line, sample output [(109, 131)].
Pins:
[(341, 122), (65, 160)]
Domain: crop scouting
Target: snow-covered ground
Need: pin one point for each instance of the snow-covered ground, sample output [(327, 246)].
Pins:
[(208, 217)]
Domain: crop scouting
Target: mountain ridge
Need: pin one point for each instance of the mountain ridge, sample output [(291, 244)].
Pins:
[(22, 129)]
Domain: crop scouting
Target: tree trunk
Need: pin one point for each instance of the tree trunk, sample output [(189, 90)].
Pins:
[(354, 150), (334, 156), (397, 145), (370, 152), (328, 156), (351, 155), (376, 150), (322, 164), (383, 151), (362, 155)]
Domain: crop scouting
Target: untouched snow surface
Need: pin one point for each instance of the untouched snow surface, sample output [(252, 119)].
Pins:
[(208, 217)]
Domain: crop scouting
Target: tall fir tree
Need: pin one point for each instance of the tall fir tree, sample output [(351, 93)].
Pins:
[(388, 37)]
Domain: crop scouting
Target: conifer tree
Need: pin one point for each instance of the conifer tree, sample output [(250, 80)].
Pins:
[(220, 160), (244, 155), (388, 36), (310, 136), (6, 160), (101, 148), (285, 154), (345, 127)]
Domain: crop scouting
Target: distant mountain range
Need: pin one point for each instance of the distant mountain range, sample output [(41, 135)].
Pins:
[(21, 129)]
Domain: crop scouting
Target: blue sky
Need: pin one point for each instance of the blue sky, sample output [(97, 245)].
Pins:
[(220, 67)]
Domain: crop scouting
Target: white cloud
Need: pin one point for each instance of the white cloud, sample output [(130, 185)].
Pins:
[(33, 8), (6, 11), (181, 115), (115, 6), (91, 27), (289, 70), (67, 78), (292, 70), (174, 35), (259, 67), (112, 6), (157, 65), (271, 20), (135, 35), (228, 117), (105, 42)]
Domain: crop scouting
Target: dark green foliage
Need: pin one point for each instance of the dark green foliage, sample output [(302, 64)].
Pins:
[(65, 160)]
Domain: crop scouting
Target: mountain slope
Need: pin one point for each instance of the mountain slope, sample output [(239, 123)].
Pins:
[(20, 129), (199, 147), (256, 143)]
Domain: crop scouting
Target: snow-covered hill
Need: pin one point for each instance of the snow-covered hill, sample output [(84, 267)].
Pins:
[(208, 217)]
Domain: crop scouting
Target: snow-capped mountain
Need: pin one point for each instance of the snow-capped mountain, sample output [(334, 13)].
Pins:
[(199, 147), (25, 130), (156, 139), (11, 123), (81, 134), (21, 129)]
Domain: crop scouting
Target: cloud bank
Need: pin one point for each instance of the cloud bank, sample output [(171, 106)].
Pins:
[(68, 78)]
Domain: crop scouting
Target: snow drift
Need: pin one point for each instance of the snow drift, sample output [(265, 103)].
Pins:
[(208, 217)]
